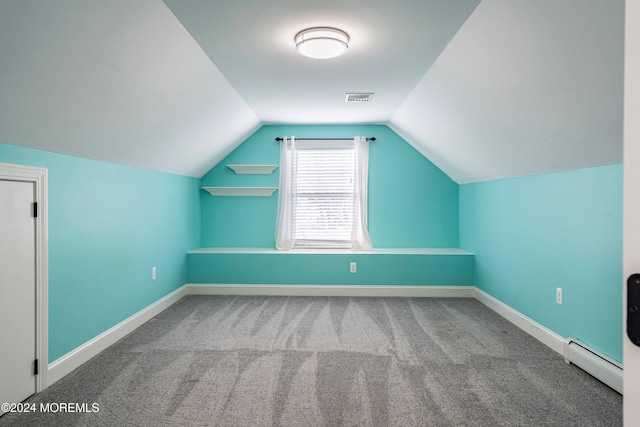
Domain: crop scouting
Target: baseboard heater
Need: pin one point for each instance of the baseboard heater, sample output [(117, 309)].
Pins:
[(597, 364)]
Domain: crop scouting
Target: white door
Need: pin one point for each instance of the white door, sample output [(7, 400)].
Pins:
[(631, 200), (17, 291)]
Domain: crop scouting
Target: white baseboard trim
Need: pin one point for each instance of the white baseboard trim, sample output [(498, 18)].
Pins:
[(536, 330), (332, 290), (72, 360)]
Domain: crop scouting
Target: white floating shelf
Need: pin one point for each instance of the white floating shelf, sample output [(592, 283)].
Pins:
[(241, 191), (253, 169)]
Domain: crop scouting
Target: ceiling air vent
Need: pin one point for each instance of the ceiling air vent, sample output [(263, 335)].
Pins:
[(358, 97)]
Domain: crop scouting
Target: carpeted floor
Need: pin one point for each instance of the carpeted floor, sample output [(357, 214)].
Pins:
[(328, 361)]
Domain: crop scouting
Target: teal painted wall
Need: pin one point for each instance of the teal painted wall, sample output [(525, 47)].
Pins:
[(411, 202), (331, 269), (533, 234), (108, 225)]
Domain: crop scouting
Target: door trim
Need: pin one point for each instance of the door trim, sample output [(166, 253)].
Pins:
[(37, 176)]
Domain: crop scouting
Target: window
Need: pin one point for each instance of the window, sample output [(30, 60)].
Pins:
[(323, 194)]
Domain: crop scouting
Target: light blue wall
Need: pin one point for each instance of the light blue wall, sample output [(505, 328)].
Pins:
[(108, 225), (411, 202), (331, 269), (533, 234)]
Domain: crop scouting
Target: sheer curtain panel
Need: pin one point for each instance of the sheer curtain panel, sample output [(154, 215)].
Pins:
[(360, 232), (286, 197)]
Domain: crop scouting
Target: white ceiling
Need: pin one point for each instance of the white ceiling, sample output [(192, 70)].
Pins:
[(393, 44), (485, 90)]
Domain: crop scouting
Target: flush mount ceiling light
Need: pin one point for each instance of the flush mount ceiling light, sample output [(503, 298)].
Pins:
[(322, 42)]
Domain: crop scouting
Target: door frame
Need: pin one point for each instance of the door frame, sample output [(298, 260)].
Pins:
[(37, 176), (631, 212)]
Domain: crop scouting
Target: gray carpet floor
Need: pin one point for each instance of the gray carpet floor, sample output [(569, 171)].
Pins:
[(328, 361)]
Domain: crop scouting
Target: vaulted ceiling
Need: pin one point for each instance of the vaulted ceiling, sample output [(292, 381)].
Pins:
[(485, 89)]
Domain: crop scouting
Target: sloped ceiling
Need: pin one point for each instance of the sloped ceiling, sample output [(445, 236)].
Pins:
[(525, 87), (486, 90), (115, 80)]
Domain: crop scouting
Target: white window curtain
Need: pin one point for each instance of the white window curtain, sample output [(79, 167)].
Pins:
[(322, 200), (360, 239), (286, 195)]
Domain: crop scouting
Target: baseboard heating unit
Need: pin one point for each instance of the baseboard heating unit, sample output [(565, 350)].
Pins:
[(600, 366)]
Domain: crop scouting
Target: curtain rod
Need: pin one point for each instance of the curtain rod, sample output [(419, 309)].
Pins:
[(373, 138)]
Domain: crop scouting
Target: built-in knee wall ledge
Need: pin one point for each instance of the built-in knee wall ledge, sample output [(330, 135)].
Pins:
[(387, 267)]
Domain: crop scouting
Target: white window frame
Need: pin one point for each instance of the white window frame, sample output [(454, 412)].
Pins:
[(308, 198), (295, 184)]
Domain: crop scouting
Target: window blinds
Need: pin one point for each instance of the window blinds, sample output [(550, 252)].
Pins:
[(323, 188)]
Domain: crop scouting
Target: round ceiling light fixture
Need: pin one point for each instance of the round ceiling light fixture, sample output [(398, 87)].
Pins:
[(322, 42)]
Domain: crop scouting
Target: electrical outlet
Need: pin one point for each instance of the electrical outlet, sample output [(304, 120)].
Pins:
[(352, 267), (153, 273), (559, 295)]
